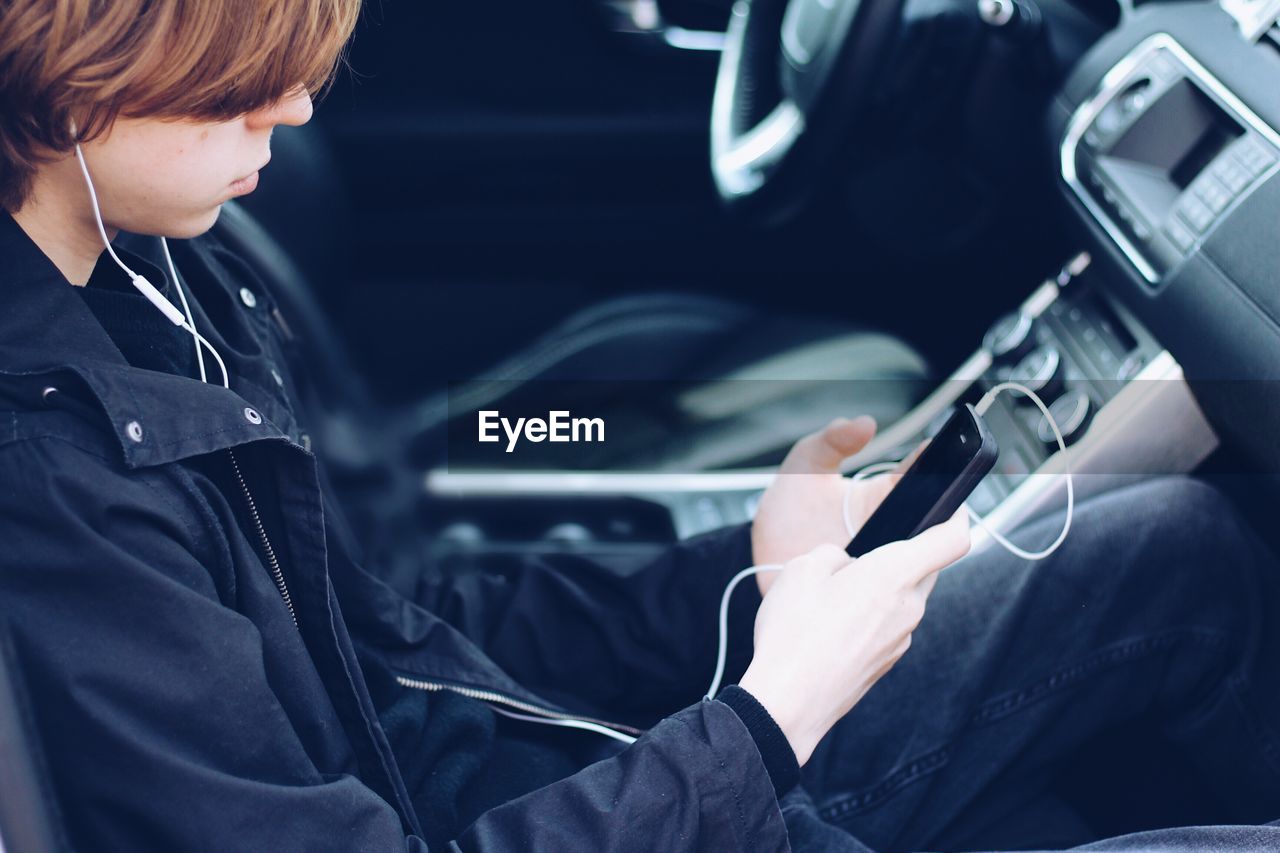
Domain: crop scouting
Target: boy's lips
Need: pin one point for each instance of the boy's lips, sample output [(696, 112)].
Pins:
[(245, 185), (249, 182)]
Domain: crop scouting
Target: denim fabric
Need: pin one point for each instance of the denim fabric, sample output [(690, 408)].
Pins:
[(1153, 609)]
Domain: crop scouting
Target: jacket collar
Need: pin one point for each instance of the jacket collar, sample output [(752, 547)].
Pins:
[(47, 331)]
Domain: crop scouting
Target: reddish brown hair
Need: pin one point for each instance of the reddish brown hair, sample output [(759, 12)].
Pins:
[(92, 61)]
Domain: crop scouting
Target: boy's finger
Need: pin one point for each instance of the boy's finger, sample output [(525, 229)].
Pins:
[(822, 452)]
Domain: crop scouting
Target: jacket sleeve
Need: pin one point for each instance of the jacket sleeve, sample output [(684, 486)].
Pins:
[(641, 639), (154, 707), (693, 782)]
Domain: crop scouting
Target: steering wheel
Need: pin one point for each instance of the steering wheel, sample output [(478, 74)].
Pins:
[(795, 76)]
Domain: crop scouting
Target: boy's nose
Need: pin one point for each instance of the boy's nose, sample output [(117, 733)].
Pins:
[(293, 109)]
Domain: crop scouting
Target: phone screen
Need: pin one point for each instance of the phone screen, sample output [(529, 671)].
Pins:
[(933, 488)]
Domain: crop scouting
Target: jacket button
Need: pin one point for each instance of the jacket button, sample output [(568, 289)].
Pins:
[(248, 298), (252, 416), (133, 429), (48, 392)]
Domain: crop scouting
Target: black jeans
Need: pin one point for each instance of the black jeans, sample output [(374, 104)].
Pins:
[(1161, 606)]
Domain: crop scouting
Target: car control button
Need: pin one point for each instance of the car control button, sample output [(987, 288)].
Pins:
[(1180, 235), (1231, 173), (1214, 195), (1195, 213), (1042, 372), (1072, 412), (1253, 155), (1135, 225), (1131, 366), (1010, 338)]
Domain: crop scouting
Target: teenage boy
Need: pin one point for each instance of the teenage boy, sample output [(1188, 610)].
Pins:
[(211, 668)]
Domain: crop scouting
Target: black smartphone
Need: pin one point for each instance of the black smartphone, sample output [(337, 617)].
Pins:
[(937, 483)]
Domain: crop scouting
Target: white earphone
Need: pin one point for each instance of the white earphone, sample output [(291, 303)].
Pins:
[(183, 318)]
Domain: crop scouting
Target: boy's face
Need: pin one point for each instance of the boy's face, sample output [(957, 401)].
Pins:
[(170, 178)]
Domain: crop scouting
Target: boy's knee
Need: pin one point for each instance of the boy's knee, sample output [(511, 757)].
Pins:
[(1190, 536), (1169, 514), (1173, 535)]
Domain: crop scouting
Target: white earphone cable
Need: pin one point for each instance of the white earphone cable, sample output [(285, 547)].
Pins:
[(97, 214), (981, 408), (191, 323), (585, 725)]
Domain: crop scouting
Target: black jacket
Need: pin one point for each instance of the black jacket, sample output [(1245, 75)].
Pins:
[(179, 706)]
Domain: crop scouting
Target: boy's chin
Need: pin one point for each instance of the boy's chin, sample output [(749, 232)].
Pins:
[(195, 225)]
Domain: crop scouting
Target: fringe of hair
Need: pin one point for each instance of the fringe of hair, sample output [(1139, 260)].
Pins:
[(92, 61)]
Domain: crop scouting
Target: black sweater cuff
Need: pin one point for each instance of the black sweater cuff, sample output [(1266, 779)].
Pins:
[(779, 757)]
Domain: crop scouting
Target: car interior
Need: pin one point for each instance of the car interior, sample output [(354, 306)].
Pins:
[(725, 224)]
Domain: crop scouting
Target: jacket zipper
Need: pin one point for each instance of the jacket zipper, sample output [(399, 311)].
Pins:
[(500, 699), (415, 683), (272, 563)]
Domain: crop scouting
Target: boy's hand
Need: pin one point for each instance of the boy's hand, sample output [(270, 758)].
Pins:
[(803, 507), (833, 626)]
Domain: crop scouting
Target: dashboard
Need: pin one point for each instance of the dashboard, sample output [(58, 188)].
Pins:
[(1165, 135)]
